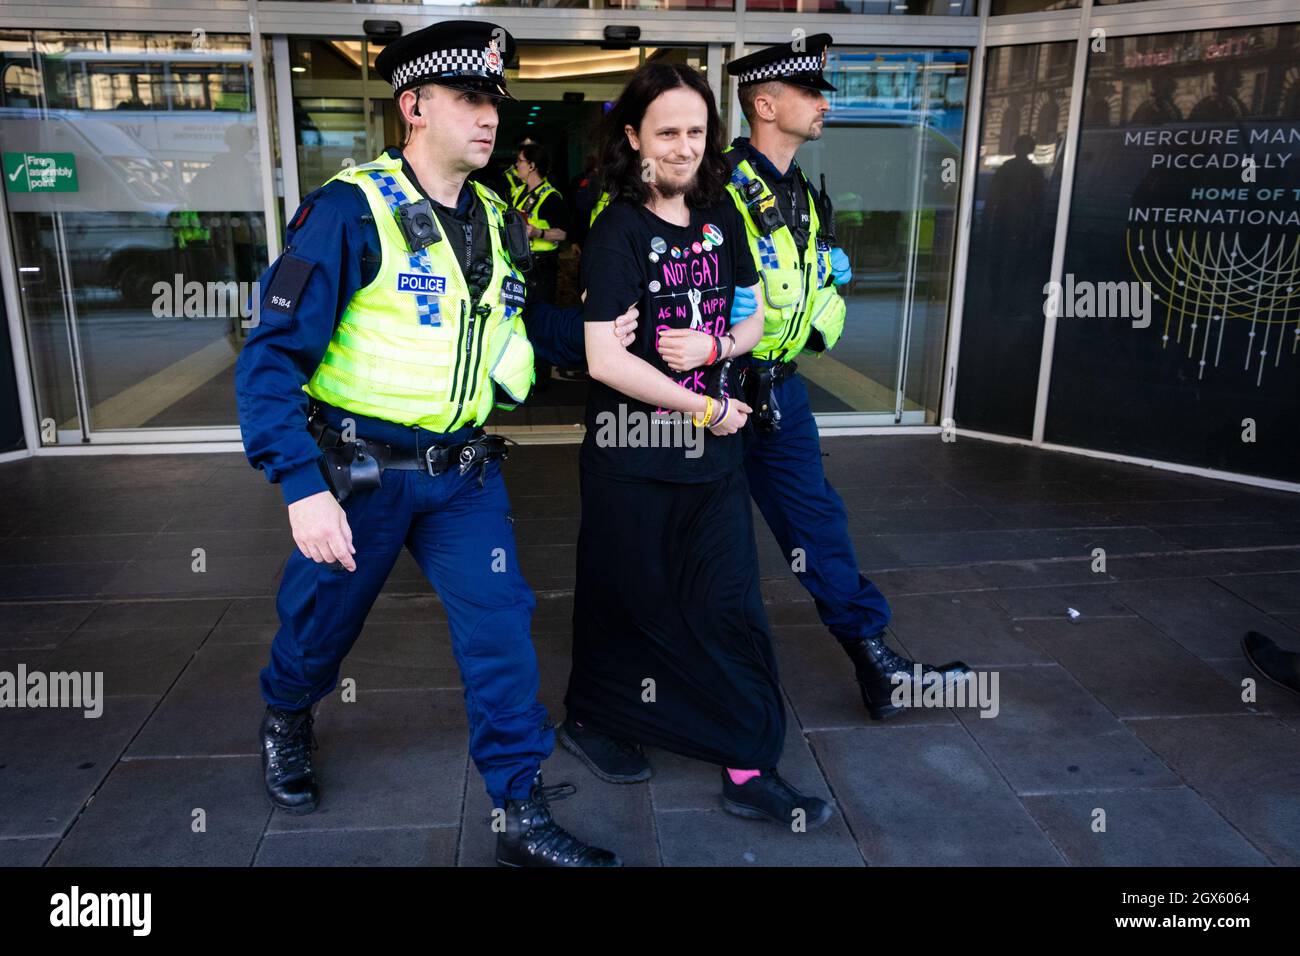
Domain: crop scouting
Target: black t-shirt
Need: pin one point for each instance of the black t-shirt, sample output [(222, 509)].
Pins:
[(681, 277)]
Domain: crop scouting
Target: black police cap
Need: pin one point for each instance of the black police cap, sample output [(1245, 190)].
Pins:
[(801, 67), (465, 54)]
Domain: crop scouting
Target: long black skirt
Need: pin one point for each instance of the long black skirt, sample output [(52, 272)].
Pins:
[(671, 646)]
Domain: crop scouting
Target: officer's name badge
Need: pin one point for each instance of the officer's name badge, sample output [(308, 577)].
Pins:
[(513, 292), (421, 282)]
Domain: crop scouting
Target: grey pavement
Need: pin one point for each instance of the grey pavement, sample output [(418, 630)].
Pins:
[(1125, 735)]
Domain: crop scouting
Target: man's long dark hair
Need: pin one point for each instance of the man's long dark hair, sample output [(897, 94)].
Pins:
[(621, 164)]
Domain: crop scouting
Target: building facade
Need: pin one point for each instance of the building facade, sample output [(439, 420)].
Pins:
[(1072, 224)]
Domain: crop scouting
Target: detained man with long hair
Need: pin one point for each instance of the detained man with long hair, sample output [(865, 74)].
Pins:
[(671, 645)]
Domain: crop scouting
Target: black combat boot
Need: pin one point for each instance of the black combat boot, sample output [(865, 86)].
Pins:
[(876, 666), (612, 759), (287, 743), (533, 838)]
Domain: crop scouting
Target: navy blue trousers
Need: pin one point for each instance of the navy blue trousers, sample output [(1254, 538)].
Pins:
[(788, 484), (463, 539)]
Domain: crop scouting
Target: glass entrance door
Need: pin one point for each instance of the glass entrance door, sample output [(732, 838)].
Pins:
[(891, 155), (134, 200)]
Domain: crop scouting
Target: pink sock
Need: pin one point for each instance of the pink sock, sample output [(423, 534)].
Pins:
[(739, 777)]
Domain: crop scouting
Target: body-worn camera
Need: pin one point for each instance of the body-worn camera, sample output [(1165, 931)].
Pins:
[(517, 241), (764, 212), (419, 228)]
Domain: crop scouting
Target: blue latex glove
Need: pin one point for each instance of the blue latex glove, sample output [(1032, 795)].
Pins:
[(840, 268), (743, 304)]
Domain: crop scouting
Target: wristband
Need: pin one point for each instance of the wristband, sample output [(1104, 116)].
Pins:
[(708, 413), (713, 351), (726, 410)]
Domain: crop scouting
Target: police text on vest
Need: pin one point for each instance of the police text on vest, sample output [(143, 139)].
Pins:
[(421, 282)]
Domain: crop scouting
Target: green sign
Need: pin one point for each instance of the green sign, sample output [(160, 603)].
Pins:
[(40, 172), (233, 101)]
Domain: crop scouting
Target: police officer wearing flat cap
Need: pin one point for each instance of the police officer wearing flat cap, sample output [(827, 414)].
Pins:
[(791, 232), (389, 328)]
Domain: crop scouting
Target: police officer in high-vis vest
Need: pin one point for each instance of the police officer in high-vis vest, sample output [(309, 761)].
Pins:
[(543, 209), (514, 182), (791, 233), (389, 328)]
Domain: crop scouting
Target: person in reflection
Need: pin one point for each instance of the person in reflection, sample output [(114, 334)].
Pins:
[(1013, 220)]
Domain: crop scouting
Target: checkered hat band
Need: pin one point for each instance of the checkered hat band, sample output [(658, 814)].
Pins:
[(794, 64), (446, 61)]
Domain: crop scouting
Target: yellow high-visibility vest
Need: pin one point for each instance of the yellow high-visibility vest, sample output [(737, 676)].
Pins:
[(529, 203), (411, 347), (801, 305)]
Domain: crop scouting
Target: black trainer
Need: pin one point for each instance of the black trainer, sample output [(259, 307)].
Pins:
[(769, 797), (533, 838), (287, 743), (876, 665), (612, 759)]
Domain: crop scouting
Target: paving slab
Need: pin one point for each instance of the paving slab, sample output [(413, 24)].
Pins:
[(928, 796), (1247, 768), (1048, 734), (194, 811), (53, 759)]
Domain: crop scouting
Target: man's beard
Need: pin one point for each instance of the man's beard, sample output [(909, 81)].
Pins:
[(667, 190)]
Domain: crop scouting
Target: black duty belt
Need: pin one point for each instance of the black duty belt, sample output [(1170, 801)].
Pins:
[(356, 465)]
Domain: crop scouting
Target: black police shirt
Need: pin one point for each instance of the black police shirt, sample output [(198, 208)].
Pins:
[(680, 277)]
